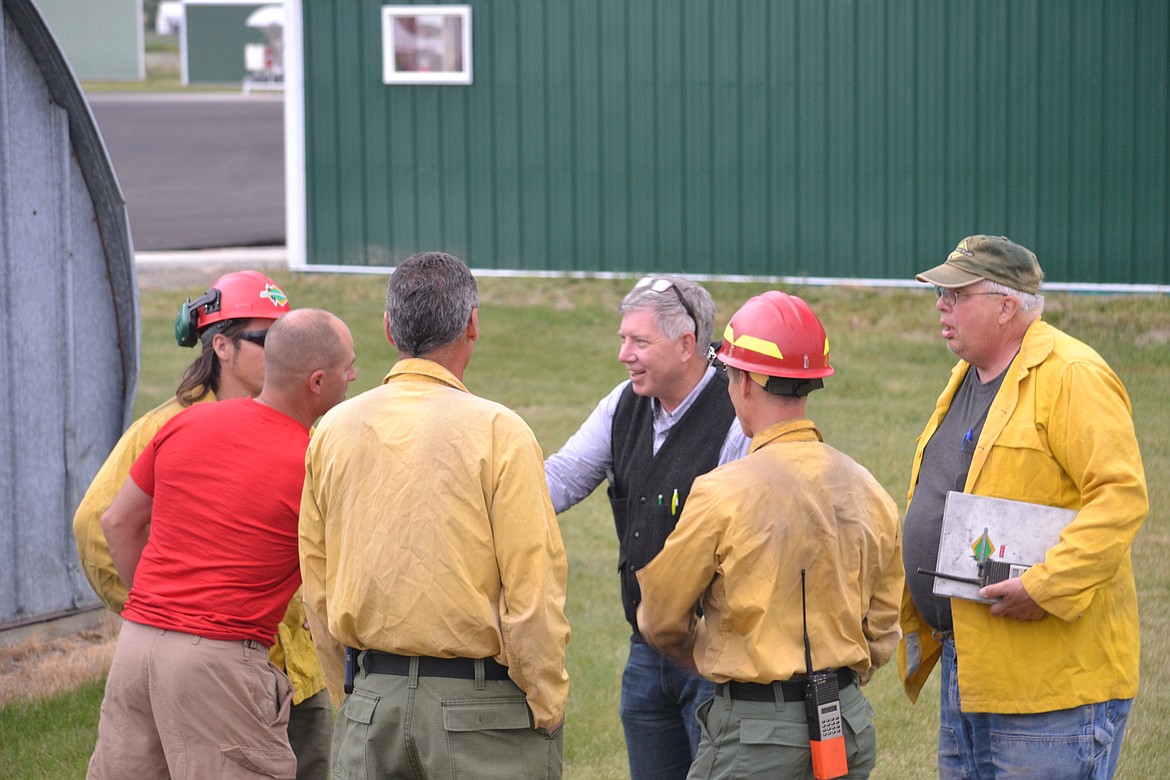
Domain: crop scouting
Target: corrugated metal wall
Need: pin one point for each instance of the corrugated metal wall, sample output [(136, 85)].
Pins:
[(68, 318), (842, 138)]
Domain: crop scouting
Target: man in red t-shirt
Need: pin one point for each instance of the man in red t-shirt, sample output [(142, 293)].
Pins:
[(205, 530)]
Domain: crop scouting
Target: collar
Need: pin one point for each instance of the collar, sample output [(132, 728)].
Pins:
[(785, 431), (1038, 343), (660, 414), (421, 368)]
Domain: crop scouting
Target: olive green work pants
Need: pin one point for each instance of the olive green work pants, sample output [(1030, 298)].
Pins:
[(395, 726), (750, 739)]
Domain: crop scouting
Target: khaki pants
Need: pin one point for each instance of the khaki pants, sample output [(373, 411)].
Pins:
[(409, 726), (184, 706)]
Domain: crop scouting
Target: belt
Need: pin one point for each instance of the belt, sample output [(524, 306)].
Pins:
[(377, 662), (792, 690)]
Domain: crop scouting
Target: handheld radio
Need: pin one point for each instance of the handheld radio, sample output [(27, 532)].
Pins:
[(990, 572), (351, 667), (822, 703)]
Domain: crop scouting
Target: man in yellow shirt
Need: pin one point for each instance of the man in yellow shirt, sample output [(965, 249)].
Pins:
[(229, 321), (1034, 415), (429, 543), (753, 531)]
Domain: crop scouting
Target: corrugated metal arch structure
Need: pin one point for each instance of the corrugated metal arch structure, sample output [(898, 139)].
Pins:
[(69, 335), (822, 138)]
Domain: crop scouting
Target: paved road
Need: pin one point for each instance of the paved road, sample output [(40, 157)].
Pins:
[(198, 171)]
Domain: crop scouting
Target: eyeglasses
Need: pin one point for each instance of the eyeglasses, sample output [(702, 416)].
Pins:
[(255, 336), (661, 285), (951, 297)]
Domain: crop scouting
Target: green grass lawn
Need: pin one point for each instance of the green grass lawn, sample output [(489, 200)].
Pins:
[(548, 349)]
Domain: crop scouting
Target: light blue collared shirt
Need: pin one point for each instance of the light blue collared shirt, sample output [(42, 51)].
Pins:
[(586, 459)]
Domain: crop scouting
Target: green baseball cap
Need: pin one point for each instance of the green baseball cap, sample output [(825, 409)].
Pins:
[(995, 258)]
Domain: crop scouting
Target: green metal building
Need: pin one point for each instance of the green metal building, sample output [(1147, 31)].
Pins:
[(101, 39), (816, 139), (213, 40)]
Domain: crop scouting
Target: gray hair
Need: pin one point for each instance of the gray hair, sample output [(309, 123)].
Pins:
[(1030, 303), (672, 317), (429, 301)]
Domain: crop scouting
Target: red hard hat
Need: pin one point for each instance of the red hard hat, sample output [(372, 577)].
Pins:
[(776, 334), (244, 295), (234, 296)]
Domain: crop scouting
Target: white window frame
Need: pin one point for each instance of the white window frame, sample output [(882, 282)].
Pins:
[(390, 72)]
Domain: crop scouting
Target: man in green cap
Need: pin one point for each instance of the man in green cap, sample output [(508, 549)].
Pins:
[(1038, 683)]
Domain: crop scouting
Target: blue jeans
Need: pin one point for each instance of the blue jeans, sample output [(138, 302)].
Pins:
[(659, 700), (1081, 742)]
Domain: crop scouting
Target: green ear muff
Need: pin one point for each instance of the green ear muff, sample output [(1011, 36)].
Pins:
[(184, 330), (187, 320)]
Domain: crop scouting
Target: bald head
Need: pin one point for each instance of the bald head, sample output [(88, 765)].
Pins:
[(304, 341), (308, 364)]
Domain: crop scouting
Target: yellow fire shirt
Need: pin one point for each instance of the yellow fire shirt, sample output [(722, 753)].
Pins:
[(427, 529), (748, 529)]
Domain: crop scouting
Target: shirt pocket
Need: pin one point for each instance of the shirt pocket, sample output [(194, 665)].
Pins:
[(1020, 466)]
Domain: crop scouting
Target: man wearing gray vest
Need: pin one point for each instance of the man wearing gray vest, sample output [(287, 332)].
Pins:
[(649, 439)]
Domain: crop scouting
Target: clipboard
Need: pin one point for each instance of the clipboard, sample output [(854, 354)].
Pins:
[(1015, 533)]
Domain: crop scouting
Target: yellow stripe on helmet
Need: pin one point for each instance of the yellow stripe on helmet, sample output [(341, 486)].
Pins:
[(756, 344)]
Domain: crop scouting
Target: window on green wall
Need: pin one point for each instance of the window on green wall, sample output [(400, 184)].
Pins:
[(426, 44)]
